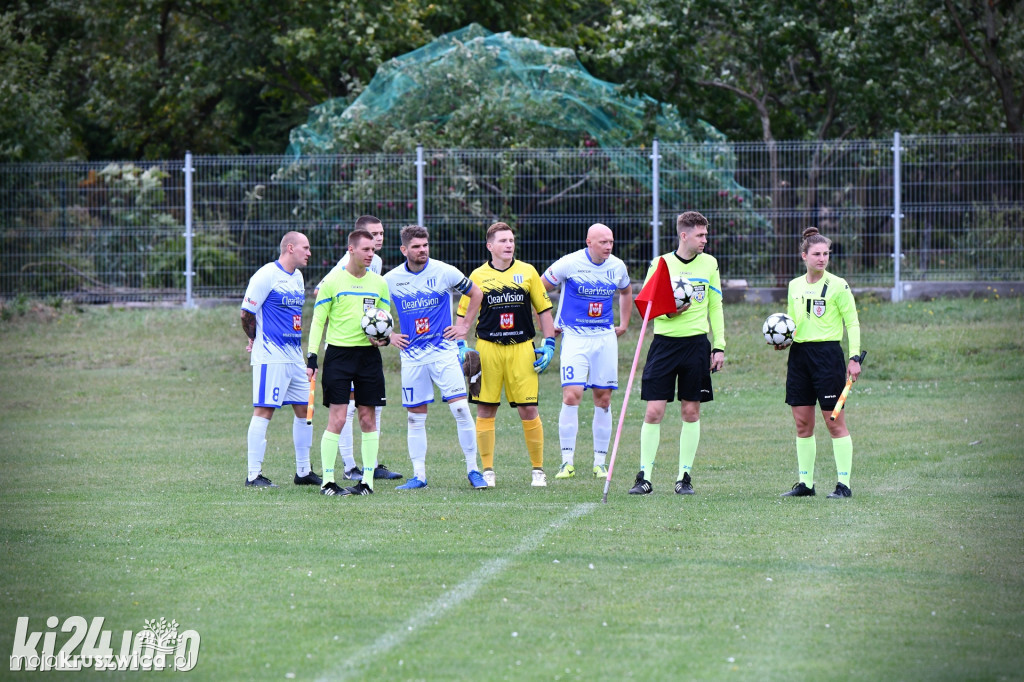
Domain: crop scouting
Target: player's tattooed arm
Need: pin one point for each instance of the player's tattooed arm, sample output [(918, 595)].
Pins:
[(249, 324), (249, 327)]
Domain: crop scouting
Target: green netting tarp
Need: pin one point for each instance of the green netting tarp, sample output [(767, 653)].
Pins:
[(475, 89)]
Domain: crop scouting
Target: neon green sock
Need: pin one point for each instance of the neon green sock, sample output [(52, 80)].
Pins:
[(689, 439), (650, 436), (842, 448), (806, 448), (370, 442), (328, 454)]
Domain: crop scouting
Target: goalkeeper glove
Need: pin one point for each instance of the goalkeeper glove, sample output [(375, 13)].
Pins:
[(544, 355), (462, 351)]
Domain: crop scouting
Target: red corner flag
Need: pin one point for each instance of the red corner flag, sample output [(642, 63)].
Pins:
[(656, 294), (654, 299)]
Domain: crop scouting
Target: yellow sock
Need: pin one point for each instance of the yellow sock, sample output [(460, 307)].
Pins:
[(485, 441), (533, 431)]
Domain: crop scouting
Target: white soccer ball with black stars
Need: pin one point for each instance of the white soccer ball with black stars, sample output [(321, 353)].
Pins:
[(377, 324), (778, 330), (682, 290)]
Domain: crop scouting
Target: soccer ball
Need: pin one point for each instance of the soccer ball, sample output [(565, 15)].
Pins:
[(682, 290), (377, 323), (778, 330)]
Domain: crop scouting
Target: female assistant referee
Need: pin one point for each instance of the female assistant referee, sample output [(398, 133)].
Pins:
[(820, 304)]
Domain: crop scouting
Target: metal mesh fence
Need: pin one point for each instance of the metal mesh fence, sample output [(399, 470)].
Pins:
[(101, 232)]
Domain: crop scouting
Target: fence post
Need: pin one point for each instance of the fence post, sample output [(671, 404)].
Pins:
[(897, 217), (655, 199), (189, 273), (420, 219)]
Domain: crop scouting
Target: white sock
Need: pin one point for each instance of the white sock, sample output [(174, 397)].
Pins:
[(257, 440), (376, 415), (345, 437), (302, 437), (467, 432), (417, 438), (568, 426), (602, 433)]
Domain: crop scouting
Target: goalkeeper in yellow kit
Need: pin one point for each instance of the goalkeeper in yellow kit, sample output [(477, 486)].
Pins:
[(512, 290)]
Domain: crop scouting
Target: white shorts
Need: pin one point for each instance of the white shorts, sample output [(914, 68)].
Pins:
[(279, 384), (590, 361), (418, 382)]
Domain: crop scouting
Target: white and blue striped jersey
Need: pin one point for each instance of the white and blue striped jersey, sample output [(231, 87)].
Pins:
[(588, 291), (376, 266), (275, 297), (424, 307)]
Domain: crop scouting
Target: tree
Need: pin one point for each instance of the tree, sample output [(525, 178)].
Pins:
[(985, 30), (32, 123)]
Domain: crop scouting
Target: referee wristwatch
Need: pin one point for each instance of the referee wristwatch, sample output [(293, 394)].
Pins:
[(855, 358)]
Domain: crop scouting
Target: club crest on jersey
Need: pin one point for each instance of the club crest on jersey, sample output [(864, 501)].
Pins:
[(431, 282), (507, 320), (518, 279), (698, 293), (422, 325), (818, 306), (596, 309)]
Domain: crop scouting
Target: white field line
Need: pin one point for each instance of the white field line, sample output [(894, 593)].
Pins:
[(453, 597)]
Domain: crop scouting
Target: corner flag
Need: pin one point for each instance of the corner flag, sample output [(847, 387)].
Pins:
[(654, 299), (656, 294)]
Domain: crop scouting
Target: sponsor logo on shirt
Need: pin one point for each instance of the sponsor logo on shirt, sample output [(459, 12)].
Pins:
[(422, 325), (595, 309), (297, 322), (585, 290), (507, 320), (420, 303), (506, 297)]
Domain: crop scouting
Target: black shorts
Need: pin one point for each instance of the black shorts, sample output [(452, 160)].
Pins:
[(345, 366), (684, 362), (816, 372)]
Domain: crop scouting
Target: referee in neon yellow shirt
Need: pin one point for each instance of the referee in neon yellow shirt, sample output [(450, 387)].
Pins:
[(820, 304), (681, 357), (352, 364)]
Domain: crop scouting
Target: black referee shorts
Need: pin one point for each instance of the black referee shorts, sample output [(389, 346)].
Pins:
[(816, 372), (678, 365), (358, 366)]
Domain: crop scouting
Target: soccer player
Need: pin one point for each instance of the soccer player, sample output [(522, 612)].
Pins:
[(272, 321), (820, 304), (345, 442), (589, 280), (512, 290), (351, 359), (681, 354), (420, 294)]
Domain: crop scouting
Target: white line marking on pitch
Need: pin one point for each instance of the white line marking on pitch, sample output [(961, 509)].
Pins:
[(453, 597)]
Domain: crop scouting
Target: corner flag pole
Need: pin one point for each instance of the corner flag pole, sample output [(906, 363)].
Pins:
[(625, 403), (659, 299)]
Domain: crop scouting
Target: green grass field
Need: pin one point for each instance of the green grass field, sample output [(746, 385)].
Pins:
[(123, 454)]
